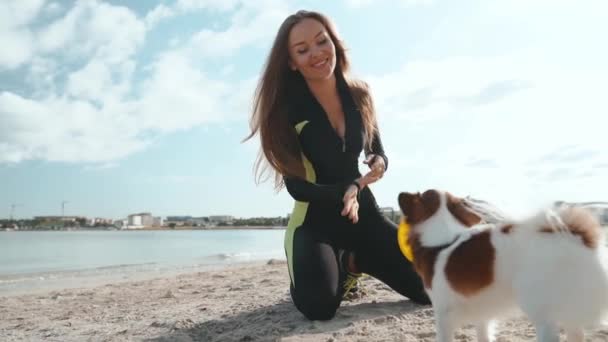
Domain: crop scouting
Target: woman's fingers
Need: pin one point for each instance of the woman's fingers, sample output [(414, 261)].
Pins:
[(354, 213), (351, 209), (348, 203), (369, 158), (379, 165), (350, 193)]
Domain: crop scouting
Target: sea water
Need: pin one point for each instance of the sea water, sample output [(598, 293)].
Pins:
[(31, 261)]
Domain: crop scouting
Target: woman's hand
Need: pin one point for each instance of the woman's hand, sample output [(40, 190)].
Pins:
[(376, 165), (351, 204), (369, 178)]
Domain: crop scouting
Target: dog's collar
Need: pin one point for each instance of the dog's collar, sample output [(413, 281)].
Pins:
[(404, 243), (446, 245)]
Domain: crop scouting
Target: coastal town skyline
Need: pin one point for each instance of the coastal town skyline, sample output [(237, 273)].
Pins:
[(597, 208)]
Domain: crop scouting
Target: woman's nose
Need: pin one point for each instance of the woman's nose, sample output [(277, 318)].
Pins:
[(315, 52)]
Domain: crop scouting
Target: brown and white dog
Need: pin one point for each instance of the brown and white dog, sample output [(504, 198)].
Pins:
[(551, 266)]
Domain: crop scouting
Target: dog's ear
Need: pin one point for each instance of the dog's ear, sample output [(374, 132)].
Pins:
[(417, 207), (467, 216), (412, 207)]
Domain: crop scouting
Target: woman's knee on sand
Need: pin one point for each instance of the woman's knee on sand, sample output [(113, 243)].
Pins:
[(315, 304)]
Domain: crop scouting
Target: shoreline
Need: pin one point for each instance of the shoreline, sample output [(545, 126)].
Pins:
[(114, 229), (217, 228), (47, 281), (189, 228)]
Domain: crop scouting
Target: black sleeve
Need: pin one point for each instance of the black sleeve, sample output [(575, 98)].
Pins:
[(305, 191), (377, 149)]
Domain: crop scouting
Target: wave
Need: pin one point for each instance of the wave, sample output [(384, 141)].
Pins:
[(243, 256), (19, 280), (75, 273), (119, 266)]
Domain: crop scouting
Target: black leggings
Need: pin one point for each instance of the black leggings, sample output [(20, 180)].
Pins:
[(317, 291)]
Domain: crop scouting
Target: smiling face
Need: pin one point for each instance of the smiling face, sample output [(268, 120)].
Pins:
[(311, 50)]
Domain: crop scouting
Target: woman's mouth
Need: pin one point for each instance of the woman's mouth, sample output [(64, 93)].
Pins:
[(321, 63)]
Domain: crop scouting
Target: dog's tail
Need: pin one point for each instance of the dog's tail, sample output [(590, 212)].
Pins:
[(571, 221)]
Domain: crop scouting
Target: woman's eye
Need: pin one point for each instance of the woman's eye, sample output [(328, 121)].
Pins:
[(301, 52), (323, 41)]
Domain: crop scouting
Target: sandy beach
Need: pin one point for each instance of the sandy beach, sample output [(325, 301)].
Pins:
[(247, 302)]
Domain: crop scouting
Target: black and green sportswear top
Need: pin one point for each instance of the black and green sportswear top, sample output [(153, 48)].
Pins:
[(331, 162)]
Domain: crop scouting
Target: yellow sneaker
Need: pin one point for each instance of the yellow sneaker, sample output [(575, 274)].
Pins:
[(351, 285)]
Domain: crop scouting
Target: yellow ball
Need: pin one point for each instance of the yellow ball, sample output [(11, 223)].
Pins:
[(402, 238)]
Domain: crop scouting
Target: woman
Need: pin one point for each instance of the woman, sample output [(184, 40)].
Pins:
[(314, 122)]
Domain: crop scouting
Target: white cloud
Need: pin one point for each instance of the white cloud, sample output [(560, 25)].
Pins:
[(94, 121), (252, 23), (88, 118), (567, 162), (99, 81), (512, 87), (42, 74), (58, 129), (364, 3), (220, 5), (17, 39), (159, 13), (101, 166), (515, 98), (100, 113), (453, 82), (97, 29), (520, 130), (17, 48), (59, 33), (181, 94), (14, 13), (163, 12), (178, 96), (52, 8)]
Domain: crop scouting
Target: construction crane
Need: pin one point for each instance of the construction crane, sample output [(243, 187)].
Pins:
[(63, 208), (13, 206)]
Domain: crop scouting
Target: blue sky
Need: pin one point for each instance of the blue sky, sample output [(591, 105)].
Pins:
[(121, 106)]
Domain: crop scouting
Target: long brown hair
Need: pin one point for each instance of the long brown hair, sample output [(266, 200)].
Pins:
[(280, 151)]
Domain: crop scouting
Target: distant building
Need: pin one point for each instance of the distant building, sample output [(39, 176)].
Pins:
[(47, 219), (140, 220), (200, 221), (98, 221), (221, 219), (59, 222), (121, 224), (179, 218)]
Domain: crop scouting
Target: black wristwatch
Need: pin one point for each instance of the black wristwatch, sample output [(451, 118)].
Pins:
[(355, 183)]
